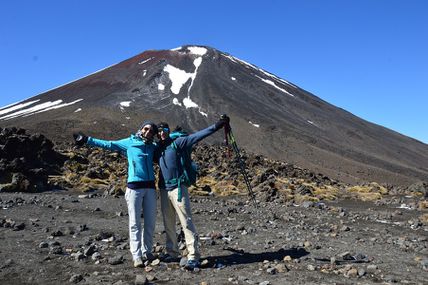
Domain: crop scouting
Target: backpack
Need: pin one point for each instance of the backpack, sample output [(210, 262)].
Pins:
[(190, 168)]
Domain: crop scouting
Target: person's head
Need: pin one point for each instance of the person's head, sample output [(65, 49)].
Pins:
[(148, 129), (163, 131)]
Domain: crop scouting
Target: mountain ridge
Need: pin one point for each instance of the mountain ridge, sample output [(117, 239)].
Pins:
[(192, 85)]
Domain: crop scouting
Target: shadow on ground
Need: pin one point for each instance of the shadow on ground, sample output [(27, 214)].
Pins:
[(241, 257)]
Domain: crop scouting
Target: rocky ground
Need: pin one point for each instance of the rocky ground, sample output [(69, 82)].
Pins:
[(64, 237), (307, 228)]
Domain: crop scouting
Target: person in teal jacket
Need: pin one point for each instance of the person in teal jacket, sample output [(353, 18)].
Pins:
[(140, 192)]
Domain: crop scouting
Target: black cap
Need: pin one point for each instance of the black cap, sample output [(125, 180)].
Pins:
[(153, 125), (163, 125)]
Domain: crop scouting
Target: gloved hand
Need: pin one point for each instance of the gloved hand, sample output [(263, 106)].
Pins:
[(80, 139), (223, 122)]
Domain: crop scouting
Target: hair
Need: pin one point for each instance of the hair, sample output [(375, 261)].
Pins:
[(145, 123), (163, 125)]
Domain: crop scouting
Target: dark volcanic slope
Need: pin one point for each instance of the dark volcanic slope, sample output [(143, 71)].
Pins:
[(191, 85)]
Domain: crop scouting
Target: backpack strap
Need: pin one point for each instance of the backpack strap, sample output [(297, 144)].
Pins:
[(182, 178)]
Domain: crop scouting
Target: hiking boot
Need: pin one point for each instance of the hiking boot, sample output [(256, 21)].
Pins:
[(148, 256), (191, 264), (169, 258), (138, 262)]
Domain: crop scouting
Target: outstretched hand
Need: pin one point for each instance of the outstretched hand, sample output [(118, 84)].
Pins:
[(80, 139), (223, 122)]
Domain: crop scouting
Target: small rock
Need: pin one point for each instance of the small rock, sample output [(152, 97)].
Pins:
[(19, 227), (141, 280), (8, 262), (155, 262), (352, 273), (311, 267), (90, 250), (371, 268), (76, 278), (57, 233), (204, 263), (96, 256), (424, 264), (361, 272), (183, 261), (281, 268), (115, 260), (78, 256), (56, 249), (345, 229)]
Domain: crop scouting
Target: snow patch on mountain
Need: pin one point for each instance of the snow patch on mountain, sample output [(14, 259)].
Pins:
[(161, 86), (15, 107), (56, 107), (147, 60), (197, 50), (38, 109), (274, 85), (249, 65), (188, 103), (78, 110), (197, 62), (125, 103), (176, 102), (254, 125), (177, 76), (312, 123)]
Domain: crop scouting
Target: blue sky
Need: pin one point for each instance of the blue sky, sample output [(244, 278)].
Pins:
[(369, 57)]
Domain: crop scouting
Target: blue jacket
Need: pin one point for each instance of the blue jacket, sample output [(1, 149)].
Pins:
[(138, 152), (169, 162)]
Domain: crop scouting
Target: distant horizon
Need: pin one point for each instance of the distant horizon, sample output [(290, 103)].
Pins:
[(368, 58)]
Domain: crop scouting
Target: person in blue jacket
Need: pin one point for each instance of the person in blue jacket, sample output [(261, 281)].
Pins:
[(174, 195), (140, 192)]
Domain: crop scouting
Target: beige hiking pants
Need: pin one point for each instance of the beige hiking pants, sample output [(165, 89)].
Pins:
[(170, 207)]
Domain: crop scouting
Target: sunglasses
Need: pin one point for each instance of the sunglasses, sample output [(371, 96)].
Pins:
[(148, 129), (165, 130)]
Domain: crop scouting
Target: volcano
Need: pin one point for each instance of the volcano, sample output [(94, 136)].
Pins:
[(191, 86)]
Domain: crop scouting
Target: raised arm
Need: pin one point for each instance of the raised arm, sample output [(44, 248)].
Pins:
[(119, 145), (188, 141)]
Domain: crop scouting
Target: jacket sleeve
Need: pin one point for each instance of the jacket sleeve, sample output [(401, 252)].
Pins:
[(119, 145), (190, 140)]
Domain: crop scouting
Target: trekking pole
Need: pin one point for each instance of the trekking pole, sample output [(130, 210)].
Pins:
[(226, 140), (232, 141)]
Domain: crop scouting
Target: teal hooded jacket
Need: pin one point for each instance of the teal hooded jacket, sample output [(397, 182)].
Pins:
[(138, 152)]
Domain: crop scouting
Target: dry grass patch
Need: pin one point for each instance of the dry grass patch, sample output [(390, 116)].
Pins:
[(370, 192), (424, 219), (326, 192), (220, 188), (423, 205), (298, 198)]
